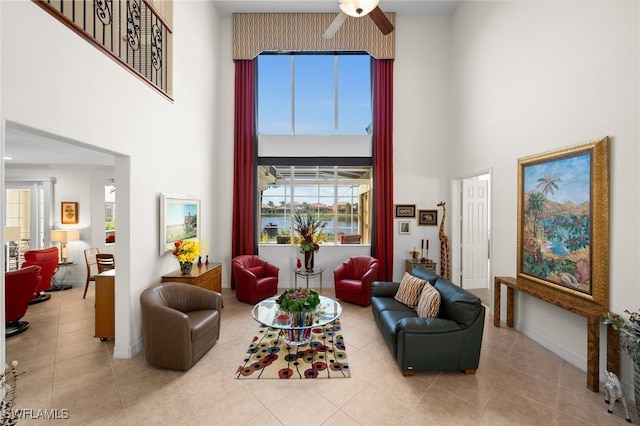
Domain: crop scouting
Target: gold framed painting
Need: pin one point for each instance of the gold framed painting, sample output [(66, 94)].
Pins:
[(563, 225), (69, 212)]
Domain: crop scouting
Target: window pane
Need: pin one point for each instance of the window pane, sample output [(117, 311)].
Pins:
[(314, 95), (354, 94), (332, 194), (274, 94)]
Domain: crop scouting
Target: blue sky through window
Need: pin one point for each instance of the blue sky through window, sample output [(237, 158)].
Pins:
[(315, 94)]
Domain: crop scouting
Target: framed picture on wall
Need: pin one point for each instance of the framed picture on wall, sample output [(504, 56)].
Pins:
[(563, 225), (405, 210), (69, 212), (428, 217), (179, 220), (404, 227)]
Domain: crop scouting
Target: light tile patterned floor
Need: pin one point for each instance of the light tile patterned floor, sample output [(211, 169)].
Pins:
[(518, 383)]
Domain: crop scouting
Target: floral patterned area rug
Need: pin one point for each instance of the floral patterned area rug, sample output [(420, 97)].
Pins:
[(269, 357)]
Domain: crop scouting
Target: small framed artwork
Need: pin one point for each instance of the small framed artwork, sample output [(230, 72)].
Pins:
[(69, 212), (428, 217), (179, 220), (405, 210), (404, 227)]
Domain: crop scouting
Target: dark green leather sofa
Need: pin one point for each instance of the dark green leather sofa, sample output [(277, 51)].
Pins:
[(452, 341)]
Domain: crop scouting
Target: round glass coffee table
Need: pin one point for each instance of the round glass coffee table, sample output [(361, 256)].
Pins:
[(268, 313)]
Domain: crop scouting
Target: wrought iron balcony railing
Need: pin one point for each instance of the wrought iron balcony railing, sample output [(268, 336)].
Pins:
[(132, 32)]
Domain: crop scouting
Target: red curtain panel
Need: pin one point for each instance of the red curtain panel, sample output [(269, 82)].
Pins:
[(382, 247), (243, 228)]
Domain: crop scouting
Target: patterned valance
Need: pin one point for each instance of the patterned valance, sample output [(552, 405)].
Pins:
[(254, 33)]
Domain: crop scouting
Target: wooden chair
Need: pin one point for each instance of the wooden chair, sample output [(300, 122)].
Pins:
[(90, 259), (105, 262)]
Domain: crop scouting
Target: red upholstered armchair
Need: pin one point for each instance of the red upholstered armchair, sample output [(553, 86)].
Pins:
[(19, 287), (47, 260), (255, 278), (354, 278)]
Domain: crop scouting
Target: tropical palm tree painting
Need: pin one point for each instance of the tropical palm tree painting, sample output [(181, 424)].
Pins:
[(556, 221)]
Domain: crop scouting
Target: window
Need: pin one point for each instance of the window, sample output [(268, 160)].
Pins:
[(338, 195), (314, 94), (110, 211)]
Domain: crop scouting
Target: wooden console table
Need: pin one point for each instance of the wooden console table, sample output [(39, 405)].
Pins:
[(207, 276), (410, 265), (593, 330)]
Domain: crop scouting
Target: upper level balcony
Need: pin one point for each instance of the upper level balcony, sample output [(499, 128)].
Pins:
[(135, 33)]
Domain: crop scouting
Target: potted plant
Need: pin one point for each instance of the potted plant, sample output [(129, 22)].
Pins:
[(630, 343), (284, 237)]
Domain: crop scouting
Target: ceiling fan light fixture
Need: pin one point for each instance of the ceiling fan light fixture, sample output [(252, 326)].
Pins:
[(358, 8)]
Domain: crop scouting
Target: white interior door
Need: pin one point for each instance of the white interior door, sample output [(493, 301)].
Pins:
[(475, 209)]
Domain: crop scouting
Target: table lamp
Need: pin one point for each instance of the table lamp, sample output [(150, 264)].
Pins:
[(11, 234), (63, 236)]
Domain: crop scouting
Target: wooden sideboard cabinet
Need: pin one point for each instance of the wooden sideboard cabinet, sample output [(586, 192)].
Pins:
[(205, 276), (105, 327), (411, 264)]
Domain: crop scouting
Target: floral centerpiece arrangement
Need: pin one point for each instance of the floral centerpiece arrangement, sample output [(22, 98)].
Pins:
[(298, 299), (186, 251), (300, 307), (310, 230)]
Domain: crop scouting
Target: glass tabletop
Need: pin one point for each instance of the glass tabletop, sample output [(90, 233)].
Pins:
[(269, 313), (301, 272)]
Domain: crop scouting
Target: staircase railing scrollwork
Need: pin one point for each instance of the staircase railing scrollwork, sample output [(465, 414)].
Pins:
[(132, 32)]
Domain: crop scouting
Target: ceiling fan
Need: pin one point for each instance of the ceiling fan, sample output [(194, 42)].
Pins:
[(357, 9)]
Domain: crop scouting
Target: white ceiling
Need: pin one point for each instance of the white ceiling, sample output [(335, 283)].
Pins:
[(401, 7), (30, 148)]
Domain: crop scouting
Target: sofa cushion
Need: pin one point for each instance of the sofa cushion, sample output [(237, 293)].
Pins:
[(458, 304), (389, 322), (428, 302), (409, 290)]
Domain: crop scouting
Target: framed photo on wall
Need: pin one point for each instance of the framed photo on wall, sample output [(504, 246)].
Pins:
[(69, 212), (563, 225), (404, 227), (428, 217), (179, 220), (405, 210)]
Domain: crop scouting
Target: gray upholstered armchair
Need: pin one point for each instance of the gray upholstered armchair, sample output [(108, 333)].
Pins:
[(181, 322)]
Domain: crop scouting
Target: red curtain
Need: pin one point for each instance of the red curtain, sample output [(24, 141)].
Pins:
[(244, 189), (382, 247)]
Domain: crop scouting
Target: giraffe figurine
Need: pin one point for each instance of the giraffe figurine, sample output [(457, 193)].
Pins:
[(445, 261)]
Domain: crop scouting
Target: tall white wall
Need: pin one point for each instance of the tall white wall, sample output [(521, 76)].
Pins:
[(161, 146), (528, 77), (421, 128)]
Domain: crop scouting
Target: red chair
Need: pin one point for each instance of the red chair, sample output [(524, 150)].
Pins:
[(47, 260), (255, 278), (354, 278), (19, 287)]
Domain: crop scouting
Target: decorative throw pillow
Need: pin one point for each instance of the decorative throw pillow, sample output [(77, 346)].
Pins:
[(428, 302), (409, 290), (258, 271)]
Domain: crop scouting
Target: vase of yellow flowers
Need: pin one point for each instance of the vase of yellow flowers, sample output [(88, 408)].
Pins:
[(310, 230), (186, 251)]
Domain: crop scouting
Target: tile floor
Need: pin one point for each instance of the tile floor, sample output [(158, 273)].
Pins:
[(518, 383)]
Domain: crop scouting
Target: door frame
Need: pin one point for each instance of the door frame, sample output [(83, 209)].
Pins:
[(456, 225)]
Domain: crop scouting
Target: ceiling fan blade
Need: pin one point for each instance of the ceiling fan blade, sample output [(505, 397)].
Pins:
[(381, 20), (335, 25)]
